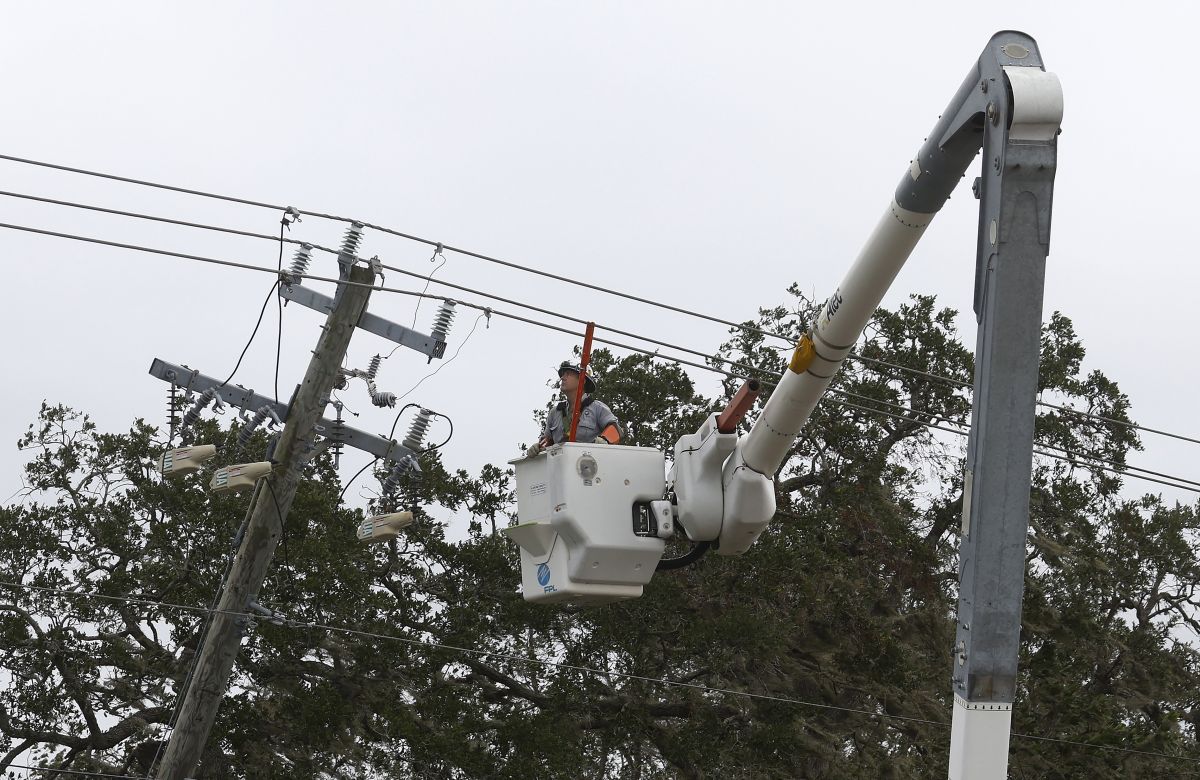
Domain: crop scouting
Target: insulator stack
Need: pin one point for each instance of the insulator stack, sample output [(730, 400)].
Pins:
[(299, 267), (383, 399), (352, 239), (193, 414), (415, 440), (252, 424), (379, 397), (442, 320), (392, 482), (373, 366), (336, 447), (174, 406), (403, 466)]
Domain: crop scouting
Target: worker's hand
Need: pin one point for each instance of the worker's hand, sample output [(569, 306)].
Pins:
[(602, 440)]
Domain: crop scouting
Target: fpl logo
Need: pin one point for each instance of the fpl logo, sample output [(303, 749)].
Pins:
[(543, 575)]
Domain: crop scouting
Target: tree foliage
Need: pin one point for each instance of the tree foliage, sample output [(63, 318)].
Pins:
[(823, 652)]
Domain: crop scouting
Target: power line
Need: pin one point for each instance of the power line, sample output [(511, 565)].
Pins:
[(438, 250), (299, 624), (577, 320), (961, 432), (1096, 463), (164, 220), (439, 247), (290, 623), (380, 228), (1122, 423), (735, 325), (250, 267), (141, 182), (283, 224), (416, 309), (461, 344), (790, 340), (350, 481), (1120, 468), (502, 314), (1116, 468), (89, 773), (253, 333), (1111, 748)]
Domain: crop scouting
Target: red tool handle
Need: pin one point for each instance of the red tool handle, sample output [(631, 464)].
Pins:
[(737, 407), (583, 366)]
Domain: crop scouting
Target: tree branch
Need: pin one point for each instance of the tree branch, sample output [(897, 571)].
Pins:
[(11, 755)]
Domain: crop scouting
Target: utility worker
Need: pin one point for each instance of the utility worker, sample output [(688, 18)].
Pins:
[(597, 423)]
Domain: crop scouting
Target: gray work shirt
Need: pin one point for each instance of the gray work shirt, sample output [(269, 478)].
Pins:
[(594, 418)]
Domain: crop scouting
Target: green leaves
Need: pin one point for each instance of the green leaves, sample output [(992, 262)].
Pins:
[(840, 616)]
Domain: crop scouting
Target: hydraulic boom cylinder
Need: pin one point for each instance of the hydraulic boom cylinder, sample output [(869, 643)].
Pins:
[(821, 351)]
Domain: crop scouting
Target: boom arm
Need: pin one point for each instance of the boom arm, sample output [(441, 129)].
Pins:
[(1006, 96), (593, 521)]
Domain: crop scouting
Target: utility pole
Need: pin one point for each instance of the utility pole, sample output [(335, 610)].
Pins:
[(207, 687)]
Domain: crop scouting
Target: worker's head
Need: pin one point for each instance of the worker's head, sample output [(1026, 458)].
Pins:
[(568, 378)]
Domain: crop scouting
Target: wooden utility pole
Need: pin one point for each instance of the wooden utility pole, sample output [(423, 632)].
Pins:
[(207, 688)]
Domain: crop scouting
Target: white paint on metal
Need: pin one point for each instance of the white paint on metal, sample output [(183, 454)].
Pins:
[(696, 479), (576, 533), (979, 734), (842, 321), (749, 503), (1037, 104)]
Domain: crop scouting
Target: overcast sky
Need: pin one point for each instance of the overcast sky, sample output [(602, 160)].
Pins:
[(702, 154)]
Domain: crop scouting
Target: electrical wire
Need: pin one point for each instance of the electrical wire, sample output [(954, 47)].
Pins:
[(88, 772), (396, 421), (576, 320), (283, 533), (666, 682), (350, 481), (283, 223), (744, 367), (163, 220), (428, 279), (855, 356), (439, 246), (449, 436), (1097, 463), (267, 300), (1064, 450), (380, 228), (423, 294), (1122, 423), (446, 362), (483, 309), (142, 182), (1120, 468)]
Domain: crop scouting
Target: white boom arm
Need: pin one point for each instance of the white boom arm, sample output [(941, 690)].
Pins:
[(747, 475), (1033, 110)]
